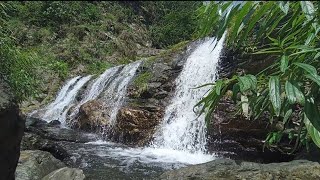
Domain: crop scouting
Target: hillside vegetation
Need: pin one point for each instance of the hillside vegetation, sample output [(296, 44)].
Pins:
[(44, 43)]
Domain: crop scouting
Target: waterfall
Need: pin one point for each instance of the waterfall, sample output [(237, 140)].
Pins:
[(182, 129), (110, 87), (95, 88), (58, 109)]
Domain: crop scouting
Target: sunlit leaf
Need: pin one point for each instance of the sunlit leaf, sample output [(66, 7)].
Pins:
[(274, 94)]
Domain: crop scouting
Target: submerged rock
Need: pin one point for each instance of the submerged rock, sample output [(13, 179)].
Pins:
[(65, 174), (34, 165), (11, 132), (228, 169)]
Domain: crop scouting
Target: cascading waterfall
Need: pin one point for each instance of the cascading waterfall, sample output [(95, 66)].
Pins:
[(58, 109), (114, 95), (182, 129), (96, 88), (110, 87)]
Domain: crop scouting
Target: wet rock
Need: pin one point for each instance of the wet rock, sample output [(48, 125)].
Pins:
[(234, 136), (36, 164), (229, 169), (136, 126), (32, 141), (54, 123), (56, 133), (65, 174), (92, 116), (11, 132)]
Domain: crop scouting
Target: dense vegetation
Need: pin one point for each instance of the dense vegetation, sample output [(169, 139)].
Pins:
[(43, 43), (288, 90)]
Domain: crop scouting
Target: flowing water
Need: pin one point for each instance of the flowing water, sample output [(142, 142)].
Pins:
[(182, 129), (180, 139), (58, 109)]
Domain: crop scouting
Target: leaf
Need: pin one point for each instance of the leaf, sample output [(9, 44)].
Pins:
[(284, 7), (307, 67), (294, 93), (235, 90), (287, 116), (218, 86), (308, 9), (314, 78), (274, 94), (312, 113), (239, 18), (284, 63), (312, 131), (247, 82)]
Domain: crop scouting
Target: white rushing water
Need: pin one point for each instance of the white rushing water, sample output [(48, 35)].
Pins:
[(181, 138), (182, 129), (96, 88), (110, 87), (58, 109)]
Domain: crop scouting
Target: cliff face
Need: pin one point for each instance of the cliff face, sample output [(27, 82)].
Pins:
[(11, 132)]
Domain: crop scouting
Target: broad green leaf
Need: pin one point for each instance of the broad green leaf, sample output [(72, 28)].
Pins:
[(235, 90), (284, 63), (274, 94), (314, 78), (218, 86), (308, 9), (312, 131), (294, 93), (307, 67), (312, 113), (287, 116), (247, 82)]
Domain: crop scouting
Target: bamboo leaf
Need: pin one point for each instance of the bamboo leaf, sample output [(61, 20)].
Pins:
[(294, 93), (307, 67), (274, 94), (312, 113), (284, 63)]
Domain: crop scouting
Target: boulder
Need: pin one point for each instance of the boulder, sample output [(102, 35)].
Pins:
[(31, 141), (136, 126), (11, 132), (65, 174), (91, 115), (35, 164), (222, 169)]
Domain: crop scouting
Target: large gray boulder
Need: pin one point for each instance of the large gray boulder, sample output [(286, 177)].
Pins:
[(11, 132), (65, 174), (35, 164), (226, 169)]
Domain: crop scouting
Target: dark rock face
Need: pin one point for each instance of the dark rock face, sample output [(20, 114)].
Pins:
[(236, 137), (137, 126), (222, 169), (91, 116), (11, 132)]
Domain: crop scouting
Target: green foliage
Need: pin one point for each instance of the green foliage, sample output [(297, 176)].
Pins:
[(17, 69), (289, 33), (176, 22), (98, 67), (141, 82)]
